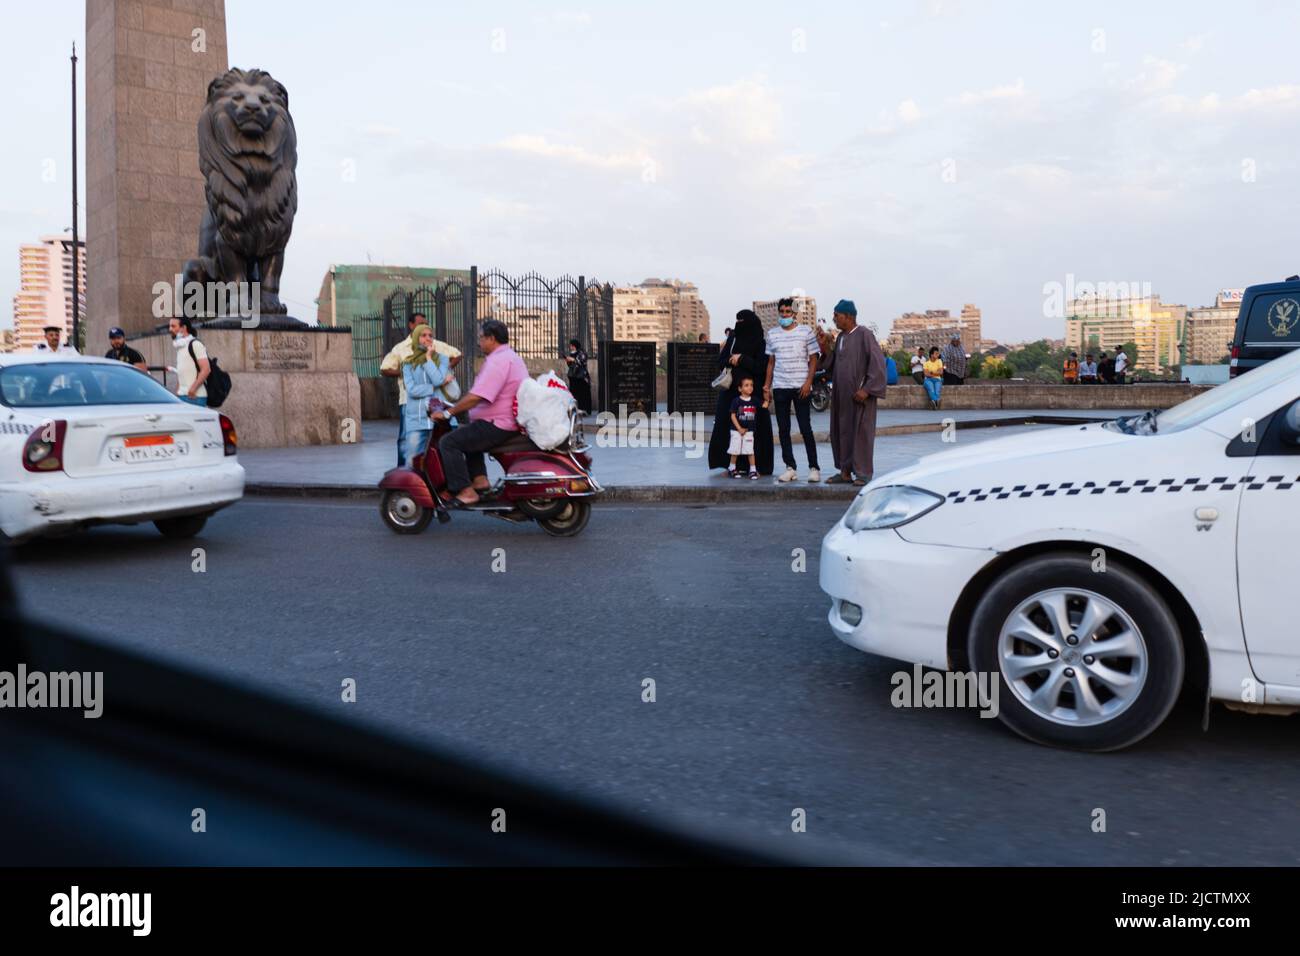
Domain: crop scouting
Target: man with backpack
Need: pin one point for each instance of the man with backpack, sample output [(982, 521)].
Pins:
[(198, 379)]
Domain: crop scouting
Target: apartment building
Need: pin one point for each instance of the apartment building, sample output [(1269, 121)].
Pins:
[(44, 295), (1096, 323), (1210, 329), (805, 311)]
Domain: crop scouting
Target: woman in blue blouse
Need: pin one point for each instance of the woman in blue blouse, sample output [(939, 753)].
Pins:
[(424, 373)]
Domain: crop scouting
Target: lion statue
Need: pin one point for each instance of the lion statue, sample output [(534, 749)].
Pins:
[(248, 153)]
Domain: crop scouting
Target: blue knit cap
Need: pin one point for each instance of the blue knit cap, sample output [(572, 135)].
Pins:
[(846, 306)]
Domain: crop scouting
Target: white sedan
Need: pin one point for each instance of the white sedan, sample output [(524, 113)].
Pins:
[(87, 441), (1097, 571)]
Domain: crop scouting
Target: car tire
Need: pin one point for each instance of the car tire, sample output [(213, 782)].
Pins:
[(1076, 700), (186, 526)]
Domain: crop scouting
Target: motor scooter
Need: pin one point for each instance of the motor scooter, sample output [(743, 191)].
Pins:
[(553, 488), (821, 391)]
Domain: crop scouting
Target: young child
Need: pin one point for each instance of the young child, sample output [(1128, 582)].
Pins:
[(744, 413)]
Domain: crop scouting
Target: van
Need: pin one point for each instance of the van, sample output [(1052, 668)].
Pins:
[(1268, 325)]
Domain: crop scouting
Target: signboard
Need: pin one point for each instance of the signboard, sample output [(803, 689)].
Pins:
[(627, 376), (692, 366)]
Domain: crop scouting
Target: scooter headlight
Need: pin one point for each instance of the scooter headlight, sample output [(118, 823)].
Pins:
[(890, 506)]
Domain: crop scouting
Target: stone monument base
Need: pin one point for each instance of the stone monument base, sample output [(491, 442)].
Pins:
[(290, 386)]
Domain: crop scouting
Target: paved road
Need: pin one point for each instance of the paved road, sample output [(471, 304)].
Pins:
[(759, 710)]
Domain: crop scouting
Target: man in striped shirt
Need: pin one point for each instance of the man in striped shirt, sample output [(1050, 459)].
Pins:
[(954, 362), (792, 352)]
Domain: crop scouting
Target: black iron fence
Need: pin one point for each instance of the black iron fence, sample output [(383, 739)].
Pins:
[(542, 317)]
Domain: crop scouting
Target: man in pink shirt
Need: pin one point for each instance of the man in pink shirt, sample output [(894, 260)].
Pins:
[(490, 403)]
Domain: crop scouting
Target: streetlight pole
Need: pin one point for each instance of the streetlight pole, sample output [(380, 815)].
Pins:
[(76, 245)]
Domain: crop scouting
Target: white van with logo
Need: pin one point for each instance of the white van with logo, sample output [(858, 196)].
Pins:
[(1098, 570)]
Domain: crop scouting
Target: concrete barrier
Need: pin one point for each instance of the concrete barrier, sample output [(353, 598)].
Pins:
[(1022, 395)]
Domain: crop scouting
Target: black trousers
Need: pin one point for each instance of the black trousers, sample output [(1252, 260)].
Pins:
[(462, 452), (781, 399), (951, 379)]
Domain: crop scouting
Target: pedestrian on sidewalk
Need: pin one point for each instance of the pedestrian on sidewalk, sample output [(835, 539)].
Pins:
[(579, 376), (744, 415), (192, 365), (424, 372), (954, 362), (934, 377), (918, 366), (857, 369), (792, 353), (391, 367), (490, 404), (119, 350), (745, 353), (1121, 365)]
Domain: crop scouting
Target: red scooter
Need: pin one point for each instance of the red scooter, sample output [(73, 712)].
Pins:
[(553, 488)]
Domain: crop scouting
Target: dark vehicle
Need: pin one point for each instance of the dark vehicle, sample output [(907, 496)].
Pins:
[(821, 391), (1268, 325)]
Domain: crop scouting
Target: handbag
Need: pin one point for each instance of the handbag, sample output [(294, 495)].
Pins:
[(723, 382)]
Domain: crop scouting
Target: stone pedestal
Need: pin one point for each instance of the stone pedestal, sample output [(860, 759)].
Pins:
[(290, 387)]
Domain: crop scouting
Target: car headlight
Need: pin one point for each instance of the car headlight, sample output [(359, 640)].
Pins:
[(889, 507)]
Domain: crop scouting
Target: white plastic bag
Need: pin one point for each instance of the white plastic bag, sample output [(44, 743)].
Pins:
[(543, 409)]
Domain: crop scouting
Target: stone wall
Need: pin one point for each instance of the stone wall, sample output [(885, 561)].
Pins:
[(289, 388), (1022, 396), (147, 74)]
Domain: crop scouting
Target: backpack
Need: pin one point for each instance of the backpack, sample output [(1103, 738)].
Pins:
[(218, 381)]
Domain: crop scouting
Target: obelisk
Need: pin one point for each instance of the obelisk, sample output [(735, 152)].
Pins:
[(148, 65)]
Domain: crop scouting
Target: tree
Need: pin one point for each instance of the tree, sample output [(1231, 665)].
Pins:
[(975, 364)]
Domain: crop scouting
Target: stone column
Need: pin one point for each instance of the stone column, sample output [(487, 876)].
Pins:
[(148, 65)]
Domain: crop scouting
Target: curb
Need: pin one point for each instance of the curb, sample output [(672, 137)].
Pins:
[(915, 428), (638, 494)]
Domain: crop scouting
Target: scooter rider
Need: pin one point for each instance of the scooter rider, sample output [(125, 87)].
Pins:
[(490, 403)]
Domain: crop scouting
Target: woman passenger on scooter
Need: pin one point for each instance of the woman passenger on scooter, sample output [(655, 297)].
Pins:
[(424, 373)]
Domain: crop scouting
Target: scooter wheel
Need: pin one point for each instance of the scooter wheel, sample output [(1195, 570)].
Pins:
[(569, 521), (403, 514)]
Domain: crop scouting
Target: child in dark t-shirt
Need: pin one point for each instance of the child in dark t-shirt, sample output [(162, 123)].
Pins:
[(744, 415)]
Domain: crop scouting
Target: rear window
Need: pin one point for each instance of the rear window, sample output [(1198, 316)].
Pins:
[(60, 384), (1274, 320)]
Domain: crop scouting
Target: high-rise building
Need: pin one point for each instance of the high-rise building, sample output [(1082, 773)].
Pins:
[(6, 340), (936, 327), (805, 311), (1210, 329), (660, 311), (44, 295), (1097, 323)]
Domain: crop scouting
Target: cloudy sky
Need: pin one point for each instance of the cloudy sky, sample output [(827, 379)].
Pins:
[(908, 155)]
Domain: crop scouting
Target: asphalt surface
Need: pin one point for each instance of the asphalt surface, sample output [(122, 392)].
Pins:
[(759, 709)]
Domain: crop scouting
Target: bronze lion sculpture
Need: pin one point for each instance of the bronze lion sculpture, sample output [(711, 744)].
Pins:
[(248, 153)]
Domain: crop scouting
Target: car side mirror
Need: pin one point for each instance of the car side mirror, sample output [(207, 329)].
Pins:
[(1290, 433)]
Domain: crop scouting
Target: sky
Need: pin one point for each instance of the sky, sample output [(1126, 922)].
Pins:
[(907, 155)]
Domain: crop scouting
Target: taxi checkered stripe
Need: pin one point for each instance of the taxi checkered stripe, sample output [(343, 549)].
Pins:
[(15, 428), (1145, 486)]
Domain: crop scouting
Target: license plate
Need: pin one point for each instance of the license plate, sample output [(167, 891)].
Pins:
[(148, 448)]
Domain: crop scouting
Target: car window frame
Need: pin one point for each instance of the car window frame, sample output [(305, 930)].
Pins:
[(90, 369)]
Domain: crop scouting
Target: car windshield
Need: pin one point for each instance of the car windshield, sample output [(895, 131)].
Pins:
[(1206, 405), (58, 384)]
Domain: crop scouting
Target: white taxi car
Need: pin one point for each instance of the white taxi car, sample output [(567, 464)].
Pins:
[(1098, 570), (87, 441)]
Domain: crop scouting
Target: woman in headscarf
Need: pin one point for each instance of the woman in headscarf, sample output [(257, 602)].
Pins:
[(745, 353), (579, 375), (424, 373)]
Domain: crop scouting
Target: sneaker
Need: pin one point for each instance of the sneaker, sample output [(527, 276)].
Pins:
[(753, 476), (788, 475), (814, 475)]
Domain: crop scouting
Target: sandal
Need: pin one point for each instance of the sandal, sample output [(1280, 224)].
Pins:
[(838, 479), (753, 476), (737, 474)]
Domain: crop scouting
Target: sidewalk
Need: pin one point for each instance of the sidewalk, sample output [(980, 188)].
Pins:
[(627, 474)]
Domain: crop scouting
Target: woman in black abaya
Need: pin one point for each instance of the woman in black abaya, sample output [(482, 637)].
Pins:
[(745, 353)]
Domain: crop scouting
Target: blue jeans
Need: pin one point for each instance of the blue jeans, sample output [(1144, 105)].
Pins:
[(401, 435), (934, 388), (416, 443), (202, 400)]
